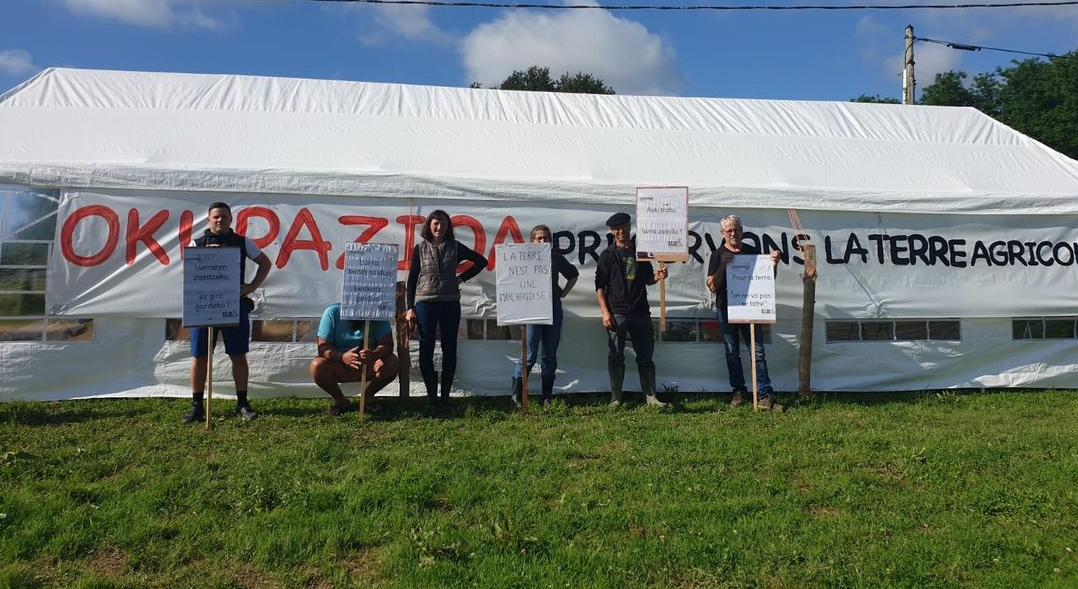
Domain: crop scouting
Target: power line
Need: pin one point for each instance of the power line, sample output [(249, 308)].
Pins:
[(446, 3), (968, 47)]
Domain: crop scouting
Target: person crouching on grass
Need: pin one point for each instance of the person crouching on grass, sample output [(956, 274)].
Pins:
[(341, 358)]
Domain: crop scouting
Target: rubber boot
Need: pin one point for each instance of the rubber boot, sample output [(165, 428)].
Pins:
[(431, 383), (548, 389), (617, 377), (647, 384), (518, 389)]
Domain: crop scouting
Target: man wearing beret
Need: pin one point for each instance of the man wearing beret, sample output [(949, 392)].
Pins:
[(621, 287)]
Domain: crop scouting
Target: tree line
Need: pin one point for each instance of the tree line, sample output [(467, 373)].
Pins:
[(1034, 96)]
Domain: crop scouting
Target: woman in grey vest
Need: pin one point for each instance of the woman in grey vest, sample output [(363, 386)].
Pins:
[(434, 298)]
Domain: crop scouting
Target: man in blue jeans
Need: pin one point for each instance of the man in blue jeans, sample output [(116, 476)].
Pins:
[(734, 333), (621, 287)]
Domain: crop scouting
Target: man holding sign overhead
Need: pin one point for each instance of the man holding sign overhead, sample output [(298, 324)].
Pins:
[(734, 333), (621, 287)]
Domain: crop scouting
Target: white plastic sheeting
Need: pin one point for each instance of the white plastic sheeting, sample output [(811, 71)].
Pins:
[(96, 129), (918, 212)]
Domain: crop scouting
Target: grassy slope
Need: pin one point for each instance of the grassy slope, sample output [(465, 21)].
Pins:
[(922, 491)]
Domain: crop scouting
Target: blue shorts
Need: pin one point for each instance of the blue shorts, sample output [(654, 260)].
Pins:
[(237, 338)]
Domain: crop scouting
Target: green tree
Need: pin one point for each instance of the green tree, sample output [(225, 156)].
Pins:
[(948, 89), (876, 99), (1034, 96), (537, 79)]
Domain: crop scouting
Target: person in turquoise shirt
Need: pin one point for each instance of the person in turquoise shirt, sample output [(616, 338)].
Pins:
[(341, 357)]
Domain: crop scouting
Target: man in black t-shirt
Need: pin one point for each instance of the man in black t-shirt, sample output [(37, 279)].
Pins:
[(621, 288)]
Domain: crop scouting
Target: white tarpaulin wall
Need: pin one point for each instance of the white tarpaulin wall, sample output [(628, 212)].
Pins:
[(918, 213)]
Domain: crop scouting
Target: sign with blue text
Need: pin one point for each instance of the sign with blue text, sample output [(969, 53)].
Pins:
[(525, 288), (750, 289), (662, 224), (211, 286), (370, 282)]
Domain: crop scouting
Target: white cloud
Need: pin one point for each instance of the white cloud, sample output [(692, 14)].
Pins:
[(410, 22), (621, 52), (16, 62), (929, 60), (145, 13)]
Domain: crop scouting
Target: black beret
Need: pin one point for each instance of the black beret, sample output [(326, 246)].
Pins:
[(618, 219)]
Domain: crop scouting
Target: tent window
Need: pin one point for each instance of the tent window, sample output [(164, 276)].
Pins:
[(281, 331), (904, 330), (1038, 328), (27, 227)]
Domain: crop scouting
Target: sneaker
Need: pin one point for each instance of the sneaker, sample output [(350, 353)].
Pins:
[(738, 400), (196, 413), (615, 404), (245, 412), (770, 404)]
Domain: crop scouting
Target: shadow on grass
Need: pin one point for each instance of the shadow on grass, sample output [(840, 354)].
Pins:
[(62, 412)]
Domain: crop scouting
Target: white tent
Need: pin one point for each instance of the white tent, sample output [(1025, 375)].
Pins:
[(947, 240)]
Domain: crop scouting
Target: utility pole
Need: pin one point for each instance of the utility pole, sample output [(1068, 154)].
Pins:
[(909, 84)]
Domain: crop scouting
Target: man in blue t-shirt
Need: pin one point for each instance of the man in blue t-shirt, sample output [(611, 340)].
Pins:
[(341, 357)]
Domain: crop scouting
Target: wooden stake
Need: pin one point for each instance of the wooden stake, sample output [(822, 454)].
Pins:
[(363, 370), (403, 353), (209, 375), (524, 369), (752, 354), (808, 310), (662, 300)]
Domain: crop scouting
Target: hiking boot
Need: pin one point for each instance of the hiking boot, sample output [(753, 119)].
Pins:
[(770, 404), (195, 413), (245, 412), (738, 400)]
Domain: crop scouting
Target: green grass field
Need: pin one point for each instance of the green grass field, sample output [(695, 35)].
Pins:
[(946, 490)]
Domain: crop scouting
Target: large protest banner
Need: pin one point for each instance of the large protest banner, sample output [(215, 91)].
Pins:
[(750, 289), (525, 288), (370, 282), (211, 286), (116, 253)]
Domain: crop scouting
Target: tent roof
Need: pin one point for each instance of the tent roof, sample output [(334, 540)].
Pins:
[(107, 129)]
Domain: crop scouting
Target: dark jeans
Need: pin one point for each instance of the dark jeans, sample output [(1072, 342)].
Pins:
[(643, 337), (732, 336), (431, 317), (550, 336)]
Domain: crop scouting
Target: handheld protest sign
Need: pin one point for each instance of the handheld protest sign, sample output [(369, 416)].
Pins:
[(662, 231), (525, 293), (211, 297), (750, 297), (369, 292)]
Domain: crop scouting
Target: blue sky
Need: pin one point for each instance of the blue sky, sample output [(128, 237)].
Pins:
[(806, 55)]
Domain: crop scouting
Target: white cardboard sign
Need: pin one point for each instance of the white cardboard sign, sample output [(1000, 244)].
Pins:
[(750, 289), (370, 282), (211, 286), (662, 224), (524, 285)]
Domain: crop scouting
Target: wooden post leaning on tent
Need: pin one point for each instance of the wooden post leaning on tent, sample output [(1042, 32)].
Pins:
[(209, 375), (808, 314), (403, 353), (363, 370), (524, 369)]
